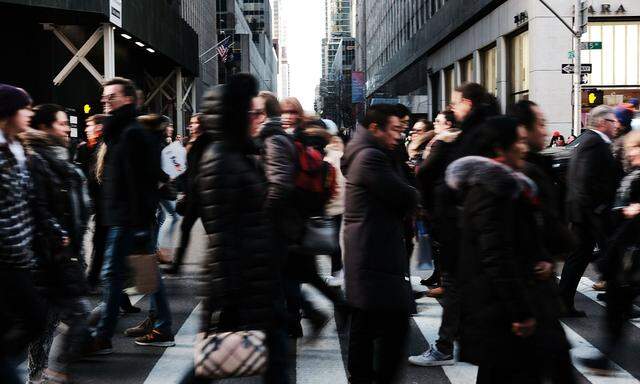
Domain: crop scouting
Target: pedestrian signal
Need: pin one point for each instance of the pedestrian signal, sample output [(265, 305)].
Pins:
[(596, 97), (87, 109)]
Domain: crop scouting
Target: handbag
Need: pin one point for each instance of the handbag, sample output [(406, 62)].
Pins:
[(320, 236), (230, 354)]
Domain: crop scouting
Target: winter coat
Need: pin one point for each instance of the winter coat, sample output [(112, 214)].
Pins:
[(240, 272), (378, 198), (61, 209), (279, 157), (334, 152), (592, 180), (131, 171), (557, 238), (86, 158), (437, 199), (500, 245), (16, 220)]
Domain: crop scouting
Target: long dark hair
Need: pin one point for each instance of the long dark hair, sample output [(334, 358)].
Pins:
[(45, 115), (499, 132)]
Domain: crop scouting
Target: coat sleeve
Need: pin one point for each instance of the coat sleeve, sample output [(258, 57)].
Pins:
[(280, 170), (45, 220), (217, 190), (489, 216), (374, 170)]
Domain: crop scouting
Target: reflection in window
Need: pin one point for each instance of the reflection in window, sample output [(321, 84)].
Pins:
[(519, 67), (490, 70)]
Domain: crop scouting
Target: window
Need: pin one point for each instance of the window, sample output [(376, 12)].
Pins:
[(449, 84), (617, 62), (466, 70), (519, 67), (490, 70)]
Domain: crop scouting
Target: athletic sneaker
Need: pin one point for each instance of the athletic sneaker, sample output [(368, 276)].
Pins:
[(98, 347), (156, 338), (432, 358), (141, 329)]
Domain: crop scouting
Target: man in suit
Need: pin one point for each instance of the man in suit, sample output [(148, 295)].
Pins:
[(591, 185)]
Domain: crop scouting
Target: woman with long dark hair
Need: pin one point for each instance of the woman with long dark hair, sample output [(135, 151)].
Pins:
[(241, 286)]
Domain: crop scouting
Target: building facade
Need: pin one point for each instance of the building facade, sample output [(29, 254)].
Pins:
[(252, 44), (422, 50), (62, 51)]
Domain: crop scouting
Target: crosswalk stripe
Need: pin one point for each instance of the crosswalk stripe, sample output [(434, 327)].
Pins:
[(176, 361), (582, 348), (586, 288), (323, 356), (428, 321)]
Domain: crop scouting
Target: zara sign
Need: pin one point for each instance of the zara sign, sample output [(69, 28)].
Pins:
[(607, 9)]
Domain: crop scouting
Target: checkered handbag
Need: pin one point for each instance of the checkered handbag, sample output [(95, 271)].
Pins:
[(231, 354)]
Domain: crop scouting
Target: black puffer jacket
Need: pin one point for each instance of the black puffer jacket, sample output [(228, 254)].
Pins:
[(240, 274), (500, 247), (131, 171), (61, 210), (377, 200)]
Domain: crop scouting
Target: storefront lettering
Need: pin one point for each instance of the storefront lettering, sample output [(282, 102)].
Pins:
[(606, 9)]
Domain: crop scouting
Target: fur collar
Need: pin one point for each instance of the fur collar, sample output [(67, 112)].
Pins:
[(498, 178)]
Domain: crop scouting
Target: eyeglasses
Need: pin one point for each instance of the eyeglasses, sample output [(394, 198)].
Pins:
[(109, 97), (290, 112), (256, 112), (611, 120)]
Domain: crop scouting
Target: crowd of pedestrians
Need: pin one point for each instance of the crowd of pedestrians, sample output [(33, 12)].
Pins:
[(275, 188)]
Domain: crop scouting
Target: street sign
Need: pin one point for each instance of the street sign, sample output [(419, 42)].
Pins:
[(584, 79), (586, 45), (571, 55), (570, 68)]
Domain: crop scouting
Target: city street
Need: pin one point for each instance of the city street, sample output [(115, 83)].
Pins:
[(324, 362)]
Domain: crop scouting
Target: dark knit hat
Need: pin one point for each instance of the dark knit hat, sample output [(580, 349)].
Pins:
[(12, 99)]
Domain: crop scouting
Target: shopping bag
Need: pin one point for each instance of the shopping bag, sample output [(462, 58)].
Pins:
[(144, 274)]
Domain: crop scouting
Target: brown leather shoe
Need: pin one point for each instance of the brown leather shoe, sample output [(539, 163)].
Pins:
[(600, 286), (435, 292)]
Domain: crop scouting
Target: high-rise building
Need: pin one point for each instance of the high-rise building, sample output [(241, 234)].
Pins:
[(421, 52), (280, 42), (247, 27)]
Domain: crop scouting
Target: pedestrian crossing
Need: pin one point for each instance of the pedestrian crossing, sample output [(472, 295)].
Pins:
[(324, 362)]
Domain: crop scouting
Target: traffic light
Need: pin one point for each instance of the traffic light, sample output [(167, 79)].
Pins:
[(595, 97)]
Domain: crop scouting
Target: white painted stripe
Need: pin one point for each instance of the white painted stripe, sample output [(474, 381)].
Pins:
[(320, 362), (23, 369), (582, 348), (586, 288), (428, 321), (176, 361)]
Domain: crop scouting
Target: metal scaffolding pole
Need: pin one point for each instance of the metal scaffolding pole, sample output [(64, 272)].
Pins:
[(109, 51)]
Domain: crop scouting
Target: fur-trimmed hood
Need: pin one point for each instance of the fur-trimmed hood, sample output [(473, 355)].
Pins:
[(34, 138), (498, 178)]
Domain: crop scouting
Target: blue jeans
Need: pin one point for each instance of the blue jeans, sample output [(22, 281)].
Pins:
[(119, 245), (167, 211)]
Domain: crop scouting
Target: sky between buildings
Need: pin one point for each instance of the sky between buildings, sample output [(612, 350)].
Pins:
[(305, 27)]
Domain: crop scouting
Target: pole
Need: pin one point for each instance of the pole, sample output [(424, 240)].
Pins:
[(109, 51), (577, 75)]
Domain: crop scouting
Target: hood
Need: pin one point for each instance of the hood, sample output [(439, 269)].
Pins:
[(363, 139), (498, 178), (33, 138)]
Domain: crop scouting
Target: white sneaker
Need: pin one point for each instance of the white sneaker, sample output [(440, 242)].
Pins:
[(432, 358)]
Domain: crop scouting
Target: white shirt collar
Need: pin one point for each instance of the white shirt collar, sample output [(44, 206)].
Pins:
[(603, 136)]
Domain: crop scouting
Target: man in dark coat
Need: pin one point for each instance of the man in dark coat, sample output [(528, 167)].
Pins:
[(592, 180), (378, 198), (129, 201)]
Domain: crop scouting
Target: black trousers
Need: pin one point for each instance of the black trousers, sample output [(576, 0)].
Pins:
[(587, 235), (450, 324), (376, 336), (188, 221), (97, 254), (22, 314), (336, 256)]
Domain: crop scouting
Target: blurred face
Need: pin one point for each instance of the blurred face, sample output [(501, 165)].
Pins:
[(516, 154), (257, 116), (60, 127), (113, 98), (418, 128), (608, 125), (290, 116), (538, 136), (194, 126), (93, 130), (440, 124), (169, 131), (390, 135), (405, 122), (460, 106), (633, 155), (19, 122), (179, 137)]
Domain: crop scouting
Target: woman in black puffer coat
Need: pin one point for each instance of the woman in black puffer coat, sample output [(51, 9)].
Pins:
[(61, 210), (509, 325), (240, 275)]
